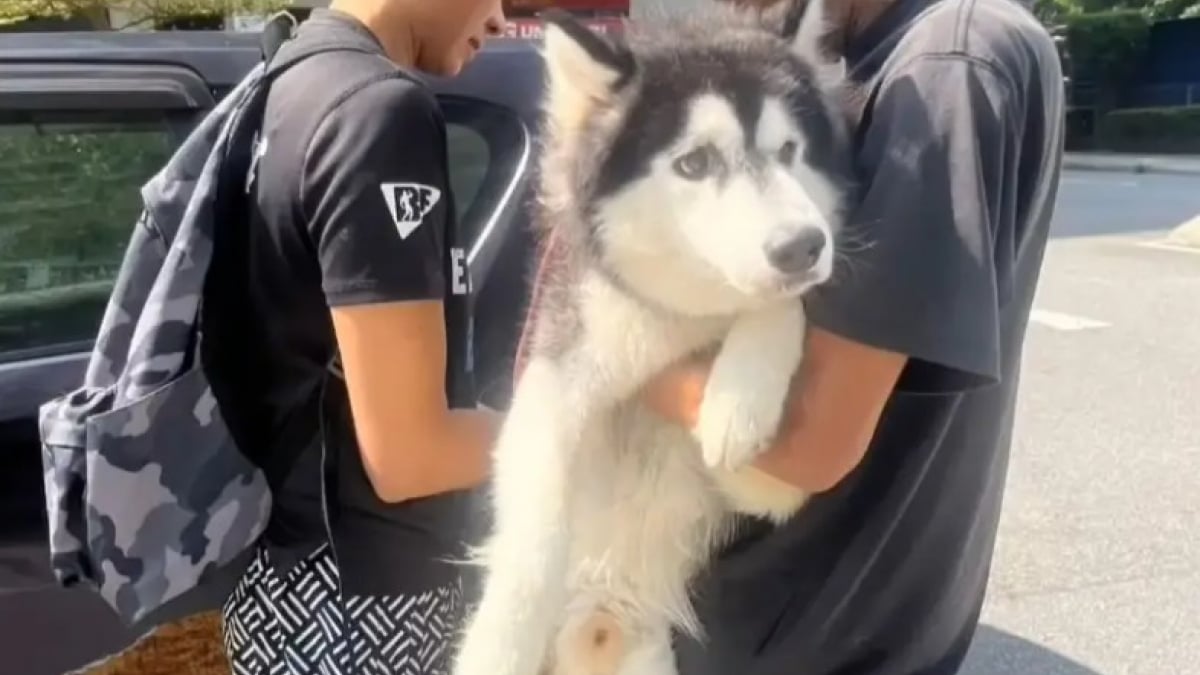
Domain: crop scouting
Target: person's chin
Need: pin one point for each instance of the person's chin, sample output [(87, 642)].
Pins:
[(452, 66), (448, 65), (465, 59)]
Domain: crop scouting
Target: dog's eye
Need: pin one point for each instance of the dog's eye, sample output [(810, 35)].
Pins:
[(787, 153), (697, 164)]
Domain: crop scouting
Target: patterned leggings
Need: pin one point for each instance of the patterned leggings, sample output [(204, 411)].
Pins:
[(300, 625)]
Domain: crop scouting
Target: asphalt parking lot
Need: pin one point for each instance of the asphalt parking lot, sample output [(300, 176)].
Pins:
[(1097, 570)]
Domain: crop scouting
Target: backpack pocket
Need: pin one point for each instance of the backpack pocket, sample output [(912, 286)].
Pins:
[(166, 497), (63, 423)]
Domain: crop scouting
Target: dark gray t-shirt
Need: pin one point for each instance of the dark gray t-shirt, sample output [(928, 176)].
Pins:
[(958, 154)]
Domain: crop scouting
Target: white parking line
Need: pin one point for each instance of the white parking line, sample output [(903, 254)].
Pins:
[(1065, 322), (1080, 180), (1168, 245)]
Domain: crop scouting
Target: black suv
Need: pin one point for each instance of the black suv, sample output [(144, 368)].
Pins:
[(85, 119)]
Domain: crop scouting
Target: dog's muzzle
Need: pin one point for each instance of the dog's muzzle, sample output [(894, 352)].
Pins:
[(795, 250)]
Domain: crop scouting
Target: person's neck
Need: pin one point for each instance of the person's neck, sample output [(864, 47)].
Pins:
[(854, 17), (387, 21)]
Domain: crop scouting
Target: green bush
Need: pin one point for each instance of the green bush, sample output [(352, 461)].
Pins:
[(1163, 130), (73, 195), (1081, 130), (68, 202), (1054, 11), (148, 12)]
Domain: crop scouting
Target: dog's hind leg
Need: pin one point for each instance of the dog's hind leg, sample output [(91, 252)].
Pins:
[(598, 642), (650, 655), (525, 557), (592, 642)]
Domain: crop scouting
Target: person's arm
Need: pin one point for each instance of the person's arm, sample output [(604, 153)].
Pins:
[(413, 445), (374, 197), (917, 309), (836, 401)]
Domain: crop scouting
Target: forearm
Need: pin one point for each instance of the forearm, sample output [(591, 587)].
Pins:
[(463, 459), (678, 396), (805, 455), (835, 403), (456, 457)]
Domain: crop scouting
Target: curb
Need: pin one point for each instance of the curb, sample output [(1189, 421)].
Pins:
[(1186, 235), (1183, 165)]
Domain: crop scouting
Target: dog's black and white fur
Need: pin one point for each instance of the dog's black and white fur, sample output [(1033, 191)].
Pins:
[(693, 177)]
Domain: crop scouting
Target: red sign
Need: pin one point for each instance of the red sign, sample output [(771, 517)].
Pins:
[(517, 7), (531, 29)]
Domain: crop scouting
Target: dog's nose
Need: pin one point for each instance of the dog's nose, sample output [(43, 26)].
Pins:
[(795, 250)]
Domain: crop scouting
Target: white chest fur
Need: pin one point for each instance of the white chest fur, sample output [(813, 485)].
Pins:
[(604, 512)]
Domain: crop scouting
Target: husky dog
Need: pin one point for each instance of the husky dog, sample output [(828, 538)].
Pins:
[(692, 178)]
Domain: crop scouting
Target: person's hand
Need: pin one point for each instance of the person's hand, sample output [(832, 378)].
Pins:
[(677, 392)]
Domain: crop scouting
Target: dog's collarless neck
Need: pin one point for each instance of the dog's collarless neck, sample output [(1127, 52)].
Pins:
[(613, 279)]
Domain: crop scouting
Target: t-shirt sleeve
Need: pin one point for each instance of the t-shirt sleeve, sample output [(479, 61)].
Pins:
[(919, 270), (374, 194)]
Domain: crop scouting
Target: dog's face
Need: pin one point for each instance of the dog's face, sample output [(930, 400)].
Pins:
[(708, 166)]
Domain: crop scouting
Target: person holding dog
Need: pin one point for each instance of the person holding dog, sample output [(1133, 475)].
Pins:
[(901, 417), (360, 280)]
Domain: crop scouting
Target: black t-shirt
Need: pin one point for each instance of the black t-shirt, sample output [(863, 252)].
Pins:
[(353, 206), (958, 153)]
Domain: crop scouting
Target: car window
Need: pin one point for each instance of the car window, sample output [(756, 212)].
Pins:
[(489, 151), (469, 157), (69, 195), (486, 150)]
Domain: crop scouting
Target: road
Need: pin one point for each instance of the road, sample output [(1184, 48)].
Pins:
[(1097, 570), (1098, 203)]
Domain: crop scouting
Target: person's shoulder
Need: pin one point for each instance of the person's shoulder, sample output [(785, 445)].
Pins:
[(999, 35), (346, 83), (394, 98)]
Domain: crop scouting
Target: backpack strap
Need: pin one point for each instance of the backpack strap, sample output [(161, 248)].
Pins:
[(288, 52), (280, 28)]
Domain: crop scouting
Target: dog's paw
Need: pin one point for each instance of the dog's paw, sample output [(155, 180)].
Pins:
[(748, 386), (737, 424)]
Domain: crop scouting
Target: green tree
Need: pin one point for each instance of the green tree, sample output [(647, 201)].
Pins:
[(147, 11), (1056, 11), (1106, 49)]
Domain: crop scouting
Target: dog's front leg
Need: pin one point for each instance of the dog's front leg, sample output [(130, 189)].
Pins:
[(525, 557), (749, 383)]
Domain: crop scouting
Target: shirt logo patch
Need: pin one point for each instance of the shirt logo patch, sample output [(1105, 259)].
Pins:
[(460, 277), (409, 203)]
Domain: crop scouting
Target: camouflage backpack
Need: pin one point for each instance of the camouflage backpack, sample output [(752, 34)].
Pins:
[(148, 495)]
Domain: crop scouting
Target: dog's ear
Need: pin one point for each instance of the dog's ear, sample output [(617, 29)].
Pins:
[(805, 26), (582, 66)]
